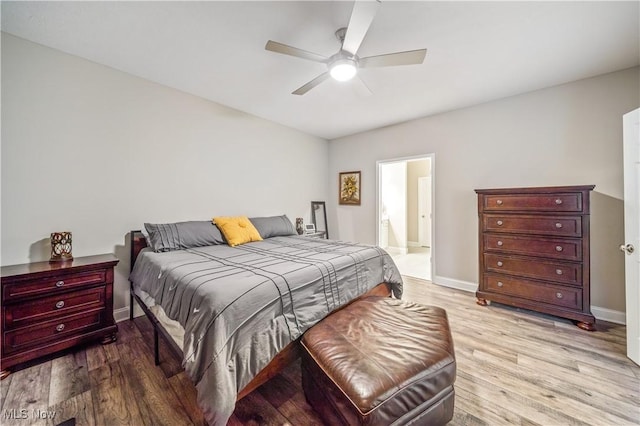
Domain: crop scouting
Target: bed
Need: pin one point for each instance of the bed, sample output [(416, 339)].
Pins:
[(235, 314)]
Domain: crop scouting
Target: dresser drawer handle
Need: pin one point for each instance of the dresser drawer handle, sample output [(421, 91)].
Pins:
[(559, 248), (59, 327), (59, 283), (559, 295), (60, 304), (558, 271), (499, 263), (499, 202), (558, 225), (500, 284), (558, 202), (499, 223), (500, 243)]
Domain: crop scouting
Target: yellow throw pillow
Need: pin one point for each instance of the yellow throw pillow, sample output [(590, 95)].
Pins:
[(237, 230)]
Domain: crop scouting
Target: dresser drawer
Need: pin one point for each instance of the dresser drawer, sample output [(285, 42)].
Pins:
[(50, 331), (48, 286), (565, 249), (569, 273), (567, 297), (569, 202), (53, 306), (566, 226)]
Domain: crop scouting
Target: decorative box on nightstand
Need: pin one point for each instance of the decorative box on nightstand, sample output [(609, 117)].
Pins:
[(48, 307)]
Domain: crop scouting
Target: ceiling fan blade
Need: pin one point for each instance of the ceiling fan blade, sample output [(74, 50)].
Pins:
[(361, 17), (310, 85), (410, 57), (274, 46)]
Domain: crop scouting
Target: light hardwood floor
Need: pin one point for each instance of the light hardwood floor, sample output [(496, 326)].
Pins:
[(514, 368)]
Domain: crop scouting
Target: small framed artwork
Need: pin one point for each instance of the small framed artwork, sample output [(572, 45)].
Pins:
[(349, 188)]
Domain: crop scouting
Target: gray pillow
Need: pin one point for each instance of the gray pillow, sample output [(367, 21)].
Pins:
[(274, 226), (183, 235)]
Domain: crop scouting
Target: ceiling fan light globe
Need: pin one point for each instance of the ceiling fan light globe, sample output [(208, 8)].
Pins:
[(343, 70)]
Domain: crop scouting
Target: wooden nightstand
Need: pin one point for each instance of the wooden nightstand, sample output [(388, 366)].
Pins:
[(48, 307), (317, 234)]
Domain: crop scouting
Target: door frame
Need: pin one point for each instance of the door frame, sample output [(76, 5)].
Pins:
[(631, 231), (379, 164)]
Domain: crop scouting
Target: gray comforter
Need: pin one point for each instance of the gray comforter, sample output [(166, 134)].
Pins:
[(240, 306)]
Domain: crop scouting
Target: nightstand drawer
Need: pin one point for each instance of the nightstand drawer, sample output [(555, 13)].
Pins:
[(568, 273), (534, 202), (565, 249), (567, 297), (47, 286), (60, 328), (564, 226), (48, 307)]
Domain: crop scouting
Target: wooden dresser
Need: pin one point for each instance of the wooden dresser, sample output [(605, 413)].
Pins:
[(48, 307), (534, 250)]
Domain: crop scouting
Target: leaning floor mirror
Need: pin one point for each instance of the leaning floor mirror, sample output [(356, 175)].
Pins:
[(319, 217)]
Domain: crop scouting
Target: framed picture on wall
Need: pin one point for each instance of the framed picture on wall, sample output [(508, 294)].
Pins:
[(349, 188)]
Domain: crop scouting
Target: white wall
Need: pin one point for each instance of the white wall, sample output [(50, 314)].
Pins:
[(564, 135), (95, 151)]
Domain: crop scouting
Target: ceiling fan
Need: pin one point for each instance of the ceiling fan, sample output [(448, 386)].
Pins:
[(344, 65)]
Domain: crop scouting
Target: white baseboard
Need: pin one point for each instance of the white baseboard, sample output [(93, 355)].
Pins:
[(395, 251), (415, 244), (453, 283), (609, 315), (603, 314), (122, 314)]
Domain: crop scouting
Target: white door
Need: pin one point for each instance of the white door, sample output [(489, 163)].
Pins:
[(424, 211), (631, 246), (393, 206)]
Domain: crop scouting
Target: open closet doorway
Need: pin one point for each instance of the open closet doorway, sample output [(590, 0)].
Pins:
[(405, 213)]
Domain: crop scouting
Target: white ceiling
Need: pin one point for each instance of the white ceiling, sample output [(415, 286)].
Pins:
[(477, 51)]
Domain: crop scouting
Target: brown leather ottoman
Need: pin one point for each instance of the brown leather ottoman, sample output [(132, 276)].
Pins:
[(380, 361)]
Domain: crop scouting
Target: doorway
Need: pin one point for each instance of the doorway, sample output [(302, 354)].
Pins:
[(405, 213)]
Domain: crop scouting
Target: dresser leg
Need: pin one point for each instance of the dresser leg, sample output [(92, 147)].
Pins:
[(4, 374), (589, 326), (482, 301), (110, 338)]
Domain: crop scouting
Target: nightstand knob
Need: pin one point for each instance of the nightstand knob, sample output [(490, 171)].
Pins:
[(499, 263), (60, 304), (59, 283), (500, 243), (500, 284), (59, 327), (558, 225), (558, 271), (559, 295), (499, 202), (499, 223), (559, 248), (558, 202)]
